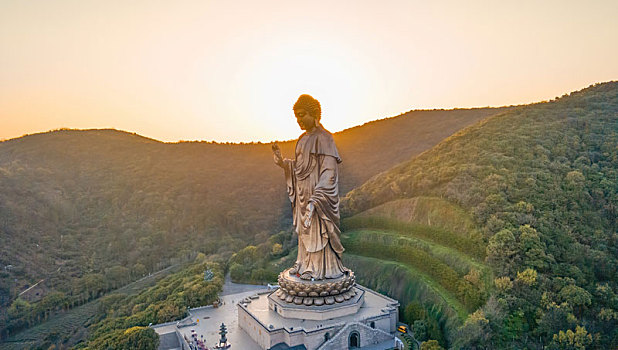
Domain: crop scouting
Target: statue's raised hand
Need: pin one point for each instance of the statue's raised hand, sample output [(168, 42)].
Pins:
[(277, 155)]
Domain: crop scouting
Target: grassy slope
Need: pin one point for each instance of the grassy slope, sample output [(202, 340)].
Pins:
[(458, 261), (429, 211), (414, 277), (435, 240)]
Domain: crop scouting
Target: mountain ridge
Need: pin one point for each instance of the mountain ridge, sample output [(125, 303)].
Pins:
[(79, 208), (368, 123), (125, 209)]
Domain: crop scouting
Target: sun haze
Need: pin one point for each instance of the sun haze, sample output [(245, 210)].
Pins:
[(231, 70)]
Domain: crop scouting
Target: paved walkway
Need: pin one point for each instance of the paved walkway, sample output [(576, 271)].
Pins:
[(230, 287), (209, 319)]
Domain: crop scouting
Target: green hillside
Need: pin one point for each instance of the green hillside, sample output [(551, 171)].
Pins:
[(535, 190), (85, 212), (438, 246), (70, 327), (502, 236)]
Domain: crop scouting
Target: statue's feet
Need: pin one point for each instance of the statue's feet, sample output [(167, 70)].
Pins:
[(306, 276), (294, 269)]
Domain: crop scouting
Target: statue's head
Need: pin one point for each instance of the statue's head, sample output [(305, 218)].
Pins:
[(308, 112)]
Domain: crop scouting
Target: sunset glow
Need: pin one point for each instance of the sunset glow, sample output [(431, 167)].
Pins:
[(230, 71)]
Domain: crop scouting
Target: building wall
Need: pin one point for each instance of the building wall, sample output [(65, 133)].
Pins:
[(255, 330), (368, 336), (315, 339), (267, 338)]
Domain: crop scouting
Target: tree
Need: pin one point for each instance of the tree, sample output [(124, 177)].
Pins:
[(419, 330), (503, 284), (237, 272), (19, 308), (501, 250), (575, 296), (263, 275), (569, 340), (554, 319), (431, 345), (139, 338), (169, 312), (117, 275), (475, 332), (575, 181), (413, 311), (139, 270), (531, 248), (527, 277), (277, 249), (92, 284)]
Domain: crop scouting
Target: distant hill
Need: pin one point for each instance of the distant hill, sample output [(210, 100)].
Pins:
[(374, 147), (89, 210), (505, 234)]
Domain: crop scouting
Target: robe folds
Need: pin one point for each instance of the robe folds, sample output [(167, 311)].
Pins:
[(312, 177)]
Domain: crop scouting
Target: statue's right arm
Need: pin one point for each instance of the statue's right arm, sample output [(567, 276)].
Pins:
[(288, 169), (277, 155)]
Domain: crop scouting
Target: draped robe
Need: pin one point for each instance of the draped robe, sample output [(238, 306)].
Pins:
[(313, 178)]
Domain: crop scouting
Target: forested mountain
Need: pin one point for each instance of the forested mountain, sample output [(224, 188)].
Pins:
[(83, 212), (504, 235)]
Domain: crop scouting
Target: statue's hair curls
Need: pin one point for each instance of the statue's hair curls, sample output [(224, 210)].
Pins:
[(310, 105)]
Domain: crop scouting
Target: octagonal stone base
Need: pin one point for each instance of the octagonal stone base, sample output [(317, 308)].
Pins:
[(317, 312), (293, 289)]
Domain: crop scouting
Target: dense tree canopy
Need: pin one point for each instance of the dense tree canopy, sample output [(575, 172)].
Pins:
[(541, 182)]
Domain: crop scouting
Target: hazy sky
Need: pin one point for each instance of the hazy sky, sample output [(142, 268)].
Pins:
[(231, 70)]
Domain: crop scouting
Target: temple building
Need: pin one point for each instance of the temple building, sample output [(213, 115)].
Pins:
[(366, 321), (257, 320)]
